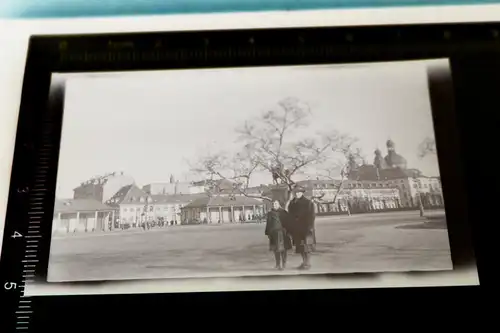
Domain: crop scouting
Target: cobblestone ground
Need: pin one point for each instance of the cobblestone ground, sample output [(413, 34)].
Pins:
[(364, 243)]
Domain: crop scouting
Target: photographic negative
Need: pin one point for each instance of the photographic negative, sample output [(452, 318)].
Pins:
[(262, 171)]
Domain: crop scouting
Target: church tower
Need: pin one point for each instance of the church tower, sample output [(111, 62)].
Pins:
[(379, 161), (172, 180), (352, 166)]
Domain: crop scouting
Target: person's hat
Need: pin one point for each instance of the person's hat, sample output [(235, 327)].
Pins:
[(299, 189)]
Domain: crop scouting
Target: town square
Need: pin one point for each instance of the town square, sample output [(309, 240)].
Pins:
[(299, 180), (370, 243)]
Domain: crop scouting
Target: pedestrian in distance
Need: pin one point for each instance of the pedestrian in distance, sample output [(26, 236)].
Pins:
[(279, 240), (302, 216)]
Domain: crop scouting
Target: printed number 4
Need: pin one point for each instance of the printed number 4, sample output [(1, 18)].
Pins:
[(16, 234), (10, 285)]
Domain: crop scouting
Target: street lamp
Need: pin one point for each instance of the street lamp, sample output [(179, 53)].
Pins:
[(419, 195)]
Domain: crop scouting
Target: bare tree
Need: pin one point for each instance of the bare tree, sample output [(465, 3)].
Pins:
[(427, 147), (273, 143), (337, 173)]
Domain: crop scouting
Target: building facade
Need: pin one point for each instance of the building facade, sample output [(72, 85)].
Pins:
[(351, 196), (386, 184), (173, 187), (135, 207), (223, 209), (169, 207), (102, 188), (81, 215), (392, 171)]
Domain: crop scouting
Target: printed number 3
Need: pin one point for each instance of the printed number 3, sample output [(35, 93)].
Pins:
[(10, 285)]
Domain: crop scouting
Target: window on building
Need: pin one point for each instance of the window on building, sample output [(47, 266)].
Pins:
[(125, 209), (132, 209), (158, 208), (150, 208), (141, 199), (165, 208), (425, 185)]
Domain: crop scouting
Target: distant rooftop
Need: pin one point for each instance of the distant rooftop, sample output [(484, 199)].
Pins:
[(79, 205), (177, 198), (101, 180)]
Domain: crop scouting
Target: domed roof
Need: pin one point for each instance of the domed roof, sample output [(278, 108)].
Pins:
[(378, 152), (393, 159)]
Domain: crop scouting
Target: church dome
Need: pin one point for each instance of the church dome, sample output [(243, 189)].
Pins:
[(394, 160)]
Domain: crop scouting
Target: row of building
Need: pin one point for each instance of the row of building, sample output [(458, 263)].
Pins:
[(94, 206), (115, 201)]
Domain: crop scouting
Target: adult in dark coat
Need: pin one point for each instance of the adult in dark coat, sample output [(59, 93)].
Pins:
[(302, 216), (276, 231)]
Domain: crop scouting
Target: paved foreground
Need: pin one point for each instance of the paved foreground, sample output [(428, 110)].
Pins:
[(365, 243)]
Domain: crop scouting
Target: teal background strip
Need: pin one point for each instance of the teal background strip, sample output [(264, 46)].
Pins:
[(86, 8)]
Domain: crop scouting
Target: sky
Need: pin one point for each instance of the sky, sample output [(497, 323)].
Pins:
[(152, 124)]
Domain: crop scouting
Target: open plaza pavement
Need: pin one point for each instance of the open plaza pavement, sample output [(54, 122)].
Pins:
[(381, 242)]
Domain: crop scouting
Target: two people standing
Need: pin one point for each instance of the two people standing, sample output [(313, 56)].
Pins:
[(295, 227)]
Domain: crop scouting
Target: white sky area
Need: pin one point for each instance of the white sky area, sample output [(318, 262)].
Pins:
[(149, 124)]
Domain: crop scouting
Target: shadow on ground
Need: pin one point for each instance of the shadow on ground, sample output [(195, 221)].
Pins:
[(434, 222)]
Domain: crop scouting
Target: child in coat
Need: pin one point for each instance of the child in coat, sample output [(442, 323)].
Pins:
[(279, 240)]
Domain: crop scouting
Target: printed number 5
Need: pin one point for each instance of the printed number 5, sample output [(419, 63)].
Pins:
[(10, 285)]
